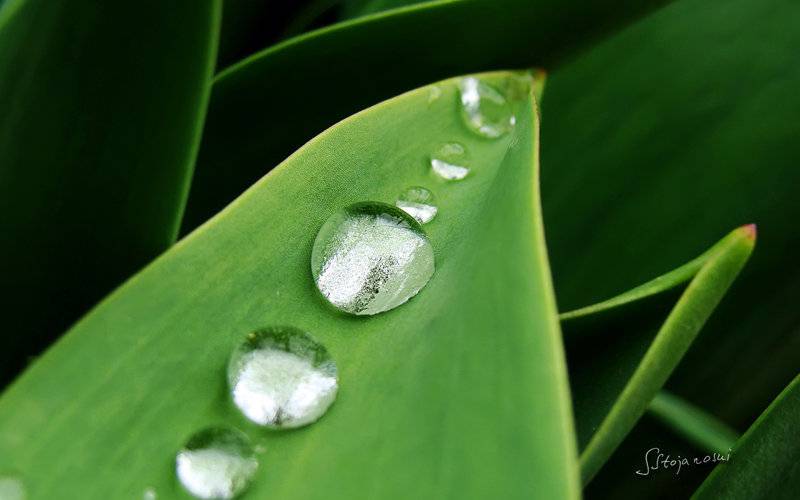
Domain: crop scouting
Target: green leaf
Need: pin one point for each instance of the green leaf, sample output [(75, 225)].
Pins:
[(254, 123), (765, 462), (658, 285), (460, 393), (692, 423), (631, 392), (102, 111)]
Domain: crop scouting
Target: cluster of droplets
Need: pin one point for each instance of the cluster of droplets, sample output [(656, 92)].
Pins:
[(367, 258), (280, 378)]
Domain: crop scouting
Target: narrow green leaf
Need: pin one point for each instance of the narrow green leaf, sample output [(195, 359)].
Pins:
[(663, 283), (102, 111), (765, 462), (253, 123), (697, 426), (459, 393), (668, 347)]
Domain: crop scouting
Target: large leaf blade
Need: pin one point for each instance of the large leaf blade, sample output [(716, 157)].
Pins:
[(430, 393), (102, 114)]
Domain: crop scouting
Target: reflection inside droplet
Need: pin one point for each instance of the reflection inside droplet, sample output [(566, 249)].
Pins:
[(371, 257), (419, 203), (217, 462), (281, 377), (449, 161), (485, 109), (11, 488)]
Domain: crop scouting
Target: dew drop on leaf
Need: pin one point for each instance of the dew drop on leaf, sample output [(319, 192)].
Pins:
[(216, 462), (371, 257), (419, 203), (485, 110), (281, 377), (149, 494), (11, 488), (450, 161)]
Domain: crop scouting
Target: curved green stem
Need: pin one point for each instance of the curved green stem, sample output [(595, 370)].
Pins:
[(716, 271)]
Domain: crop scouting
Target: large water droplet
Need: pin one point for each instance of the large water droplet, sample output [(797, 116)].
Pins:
[(150, 494), (419, 203), (11, 488), (450, 160), (371, 257), (485, 109), (281, 377), (217, 462)]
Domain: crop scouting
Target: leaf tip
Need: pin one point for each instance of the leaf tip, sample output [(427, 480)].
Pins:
[(750, 231)]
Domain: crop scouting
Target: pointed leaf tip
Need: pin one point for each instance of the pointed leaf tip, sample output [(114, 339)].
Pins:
[(750, 231)]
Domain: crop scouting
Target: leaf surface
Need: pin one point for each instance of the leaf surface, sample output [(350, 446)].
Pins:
[(459, 393)]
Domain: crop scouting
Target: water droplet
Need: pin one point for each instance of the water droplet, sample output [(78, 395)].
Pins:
[(485, 109), (149, 494), (419, 203), (217, 462), (281, 377), (434, 93), (11, 488), (371, 257), (450, 161)]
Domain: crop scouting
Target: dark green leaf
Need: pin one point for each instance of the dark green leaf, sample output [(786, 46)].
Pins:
[(268, 105), (102, 108), (765, 462)]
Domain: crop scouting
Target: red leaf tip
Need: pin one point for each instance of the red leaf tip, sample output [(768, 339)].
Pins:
[(750, 231)]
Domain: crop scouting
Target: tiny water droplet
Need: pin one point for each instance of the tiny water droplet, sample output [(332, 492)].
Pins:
[(216, 462), (281, 377), (485, 109), (434, 93), (419, 203), (149, 494), (371, 257), (11, 488), (450, 161)]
